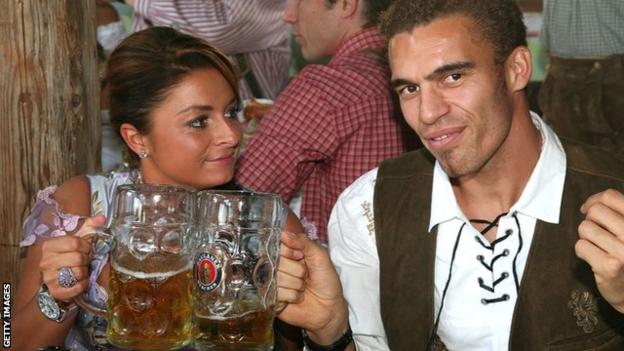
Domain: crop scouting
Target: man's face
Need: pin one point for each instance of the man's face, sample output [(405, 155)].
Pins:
[(452, 93), (316, 27)]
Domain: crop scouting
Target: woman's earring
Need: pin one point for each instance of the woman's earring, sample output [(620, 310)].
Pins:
[(142, 153)]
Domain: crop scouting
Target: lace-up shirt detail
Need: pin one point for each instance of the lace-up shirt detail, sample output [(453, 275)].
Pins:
[(490, 256)]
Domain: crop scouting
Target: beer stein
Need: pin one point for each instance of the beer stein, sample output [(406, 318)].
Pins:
[(236, 248), (149, 304)]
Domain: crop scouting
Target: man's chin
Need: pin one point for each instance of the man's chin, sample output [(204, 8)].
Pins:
[(453, 168)]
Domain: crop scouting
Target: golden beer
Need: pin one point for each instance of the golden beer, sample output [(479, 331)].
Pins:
[(250, 331), (149, 309)]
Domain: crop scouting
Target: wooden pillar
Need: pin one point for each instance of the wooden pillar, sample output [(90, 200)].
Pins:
[(49, 107)]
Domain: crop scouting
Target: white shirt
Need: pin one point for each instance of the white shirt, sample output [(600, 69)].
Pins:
[(466, 323)]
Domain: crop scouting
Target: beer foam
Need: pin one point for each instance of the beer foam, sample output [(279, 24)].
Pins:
[(155, 275), (215, 317)]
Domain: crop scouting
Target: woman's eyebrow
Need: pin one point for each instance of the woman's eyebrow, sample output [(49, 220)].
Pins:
[(196, 107)]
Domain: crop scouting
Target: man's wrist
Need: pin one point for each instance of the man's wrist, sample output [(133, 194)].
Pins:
[(339, 344), (332, 331)]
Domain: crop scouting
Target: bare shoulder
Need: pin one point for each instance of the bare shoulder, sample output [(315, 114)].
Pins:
[(74, 196)]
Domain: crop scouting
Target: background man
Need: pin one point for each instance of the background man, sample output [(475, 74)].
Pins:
[(332, 122), (475, 249)]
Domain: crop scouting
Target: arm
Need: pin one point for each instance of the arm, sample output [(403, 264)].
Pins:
[(43, 259), (295, 136), (353, 252), (234, 26), (601, 243)]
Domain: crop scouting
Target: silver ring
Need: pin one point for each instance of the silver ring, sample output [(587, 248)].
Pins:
[(66, 278)]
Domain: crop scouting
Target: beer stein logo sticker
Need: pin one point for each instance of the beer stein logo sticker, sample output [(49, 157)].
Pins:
[(208, 270)]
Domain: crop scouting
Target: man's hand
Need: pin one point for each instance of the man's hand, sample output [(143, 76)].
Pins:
[(308, 282), (601, 243)]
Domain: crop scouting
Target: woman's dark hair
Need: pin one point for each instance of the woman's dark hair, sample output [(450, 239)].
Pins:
[(144, 68)]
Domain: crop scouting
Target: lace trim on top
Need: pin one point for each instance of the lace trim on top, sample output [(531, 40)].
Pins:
[(46, 209)]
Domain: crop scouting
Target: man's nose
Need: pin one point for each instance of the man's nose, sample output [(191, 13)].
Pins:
[(290, 11), (432, 105)]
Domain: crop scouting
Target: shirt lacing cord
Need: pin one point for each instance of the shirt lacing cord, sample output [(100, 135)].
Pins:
[(504, 297), (490, 266), (434, 332)]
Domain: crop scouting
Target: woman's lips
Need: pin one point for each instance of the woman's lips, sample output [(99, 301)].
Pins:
[(221, 159)]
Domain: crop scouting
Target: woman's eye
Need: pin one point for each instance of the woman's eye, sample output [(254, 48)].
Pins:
[(198, 122), (232, 113)]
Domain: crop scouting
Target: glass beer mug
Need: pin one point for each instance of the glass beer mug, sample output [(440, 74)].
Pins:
[(149, 304), (236, 248)]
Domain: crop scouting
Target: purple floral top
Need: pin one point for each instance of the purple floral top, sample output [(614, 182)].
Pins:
[(47, 220)]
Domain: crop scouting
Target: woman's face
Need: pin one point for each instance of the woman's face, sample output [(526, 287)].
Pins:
[(194, 133)]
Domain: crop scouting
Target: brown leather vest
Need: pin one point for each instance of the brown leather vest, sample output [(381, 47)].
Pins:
[(559, 306)]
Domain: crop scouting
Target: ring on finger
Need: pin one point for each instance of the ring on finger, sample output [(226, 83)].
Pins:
[(66, 278)]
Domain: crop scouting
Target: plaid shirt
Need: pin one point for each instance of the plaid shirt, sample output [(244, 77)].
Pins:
[(330, 125)]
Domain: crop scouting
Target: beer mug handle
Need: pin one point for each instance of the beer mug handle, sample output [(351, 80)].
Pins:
[(82, 300)]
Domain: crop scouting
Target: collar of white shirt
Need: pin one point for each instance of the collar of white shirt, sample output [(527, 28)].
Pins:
[(540, 199)]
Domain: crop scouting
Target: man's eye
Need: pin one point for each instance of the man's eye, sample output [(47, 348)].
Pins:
[(454, 77), (198, 122), (408, 90)]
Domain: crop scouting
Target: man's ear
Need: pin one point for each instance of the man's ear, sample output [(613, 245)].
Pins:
[(133, 138), (518, 69), (349, 8)]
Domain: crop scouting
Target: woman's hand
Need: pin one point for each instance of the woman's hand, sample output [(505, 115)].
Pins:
[(71, 251)]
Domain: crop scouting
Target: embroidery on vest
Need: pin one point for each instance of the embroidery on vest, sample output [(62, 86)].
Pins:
[(584, 308), (368, 213), (438, 345)]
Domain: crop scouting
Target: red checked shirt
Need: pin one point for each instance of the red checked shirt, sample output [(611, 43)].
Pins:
[(331, 124)]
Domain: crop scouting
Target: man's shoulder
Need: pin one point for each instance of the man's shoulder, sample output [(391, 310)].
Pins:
[(362, 186), (593, 161), (367, 68), (415, 163), (352, 67), (335, 89)]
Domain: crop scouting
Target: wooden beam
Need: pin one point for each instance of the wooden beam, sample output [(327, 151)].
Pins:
[(49, 107)]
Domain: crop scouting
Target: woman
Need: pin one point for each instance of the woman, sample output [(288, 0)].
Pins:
[(174, 102)]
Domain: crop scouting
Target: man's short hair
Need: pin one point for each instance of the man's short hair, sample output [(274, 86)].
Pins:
[(499, 21), (372, 10)]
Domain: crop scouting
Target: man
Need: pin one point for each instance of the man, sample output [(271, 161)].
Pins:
[(332, 122), (583, 94), (250, 31), (475, 249)]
